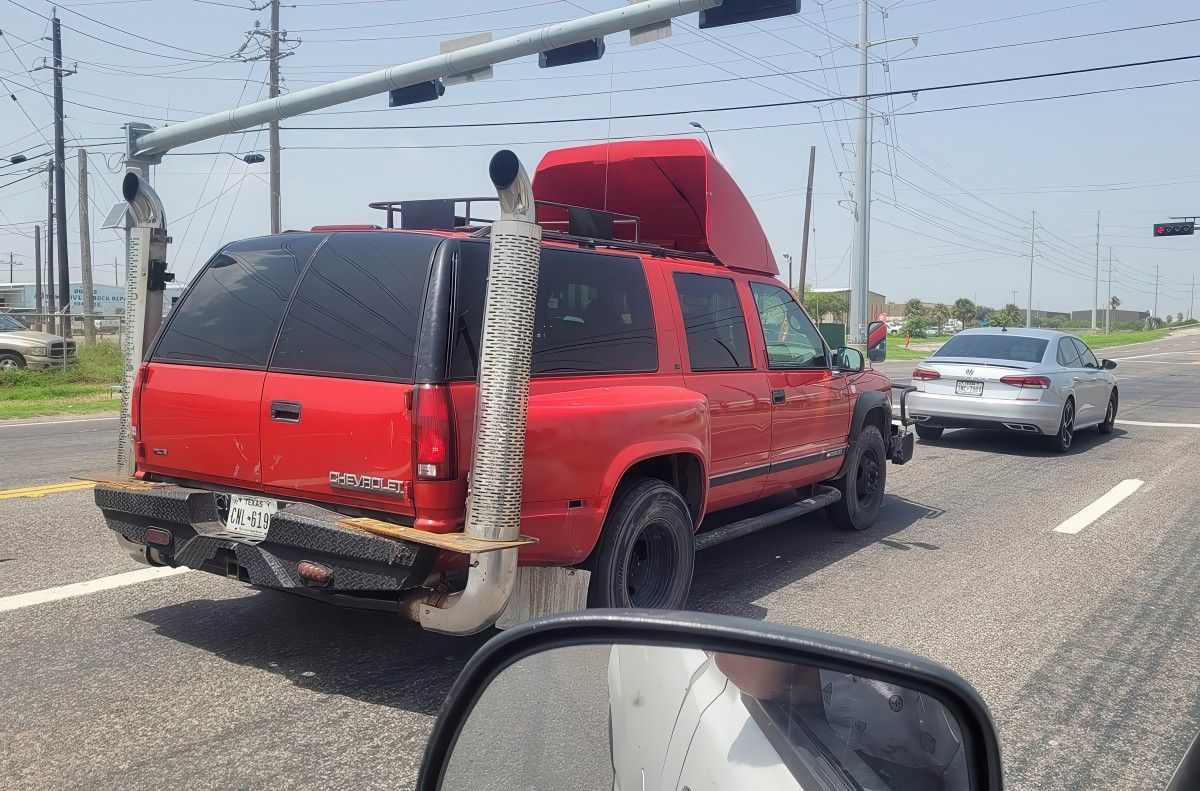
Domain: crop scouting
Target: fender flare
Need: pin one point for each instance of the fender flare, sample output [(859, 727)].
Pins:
[(640, 451), (866, 401)]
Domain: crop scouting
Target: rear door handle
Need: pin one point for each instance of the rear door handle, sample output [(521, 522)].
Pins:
[(778, 397), (285, 411)]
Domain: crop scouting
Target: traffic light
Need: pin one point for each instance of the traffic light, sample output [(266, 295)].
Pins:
[(734, 12), (1175, 228)]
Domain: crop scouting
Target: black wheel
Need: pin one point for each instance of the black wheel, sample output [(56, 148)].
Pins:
[(1110, 417), (1061, 442), (929, 432), (645, 553), (11, 361), (863, 484)]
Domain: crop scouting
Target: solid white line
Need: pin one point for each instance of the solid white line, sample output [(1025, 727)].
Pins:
[(1100, 507), (84, 588), (7, 424), (1158, 425), (1153, 354)]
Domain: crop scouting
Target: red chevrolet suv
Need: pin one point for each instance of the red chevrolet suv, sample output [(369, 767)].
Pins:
[(304, 419)]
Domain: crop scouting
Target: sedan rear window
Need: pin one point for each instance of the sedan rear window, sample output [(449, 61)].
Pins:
[(1020, 348)]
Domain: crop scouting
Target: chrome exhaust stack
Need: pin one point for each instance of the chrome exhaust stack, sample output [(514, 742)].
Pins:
[(498, 460)]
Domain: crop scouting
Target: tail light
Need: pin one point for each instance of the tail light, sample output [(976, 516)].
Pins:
[(1040, 382), (135, 409), (434, 437), (925, 373)]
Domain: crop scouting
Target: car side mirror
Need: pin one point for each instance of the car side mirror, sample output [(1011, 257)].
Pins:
[(877, 333), (605, 698), (1108, 365), (848, 358)]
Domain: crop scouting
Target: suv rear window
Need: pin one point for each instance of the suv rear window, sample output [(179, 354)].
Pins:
[(357, 310), (1007, 346), (232, 311), (593, 314)]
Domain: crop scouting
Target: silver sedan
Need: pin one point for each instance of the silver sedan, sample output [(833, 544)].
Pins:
[(1029, 381)]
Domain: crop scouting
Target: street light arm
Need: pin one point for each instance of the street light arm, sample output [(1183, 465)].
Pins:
[(463, 61)]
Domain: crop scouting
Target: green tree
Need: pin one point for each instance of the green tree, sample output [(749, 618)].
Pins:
[(831, 303), (941, 314), (1178, 317), (915, 326), (1115, 303), (1008, 316), (914, 308), (964, 310)]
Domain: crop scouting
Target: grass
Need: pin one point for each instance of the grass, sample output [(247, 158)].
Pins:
[(1102, 341), (80, 389), (896, 350)]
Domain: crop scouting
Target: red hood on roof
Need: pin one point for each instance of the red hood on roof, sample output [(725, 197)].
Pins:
[(684, 198)]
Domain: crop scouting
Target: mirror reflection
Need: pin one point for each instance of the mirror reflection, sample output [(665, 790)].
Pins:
[(631, 717)]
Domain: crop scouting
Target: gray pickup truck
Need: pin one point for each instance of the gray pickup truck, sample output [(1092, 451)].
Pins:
[(21, 347)]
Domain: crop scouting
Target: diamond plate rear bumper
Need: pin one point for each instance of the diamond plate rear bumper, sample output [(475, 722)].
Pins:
[(360, 562)]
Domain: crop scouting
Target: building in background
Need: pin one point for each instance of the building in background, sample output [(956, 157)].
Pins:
[(875, 303), (1117, 316), (106, 300)]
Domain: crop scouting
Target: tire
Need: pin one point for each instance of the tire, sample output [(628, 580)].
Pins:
[(1061, 442), (1110, 417), (863, 484), (929, 432), (11, 361), (646, 551)]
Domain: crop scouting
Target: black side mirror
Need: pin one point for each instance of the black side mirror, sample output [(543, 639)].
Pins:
[(877, 341), (848, 358), (1108, 365), (610, 691)]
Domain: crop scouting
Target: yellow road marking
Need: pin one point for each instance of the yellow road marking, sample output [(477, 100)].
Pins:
[(44, 489)]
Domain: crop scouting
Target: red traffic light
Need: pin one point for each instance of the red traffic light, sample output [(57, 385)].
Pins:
[(1175, 229)]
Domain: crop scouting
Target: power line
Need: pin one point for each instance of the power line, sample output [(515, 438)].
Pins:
[(767, 105)]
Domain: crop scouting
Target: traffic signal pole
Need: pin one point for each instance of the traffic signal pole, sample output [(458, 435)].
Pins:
[(146, 222), (860, 263)]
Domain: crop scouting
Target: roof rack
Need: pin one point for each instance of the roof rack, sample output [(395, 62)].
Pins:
[(441, 214)]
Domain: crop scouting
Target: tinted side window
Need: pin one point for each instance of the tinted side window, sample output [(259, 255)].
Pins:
[(231, 314), (713, 320), (1086, 358), (1068, 355), (357, 310), (792, 340), (593, 314)]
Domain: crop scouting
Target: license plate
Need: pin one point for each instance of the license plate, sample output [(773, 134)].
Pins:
[(250, 517), (968, 388)]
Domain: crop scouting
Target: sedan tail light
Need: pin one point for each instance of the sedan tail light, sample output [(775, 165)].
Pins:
[(925, 373), (1040, 382)]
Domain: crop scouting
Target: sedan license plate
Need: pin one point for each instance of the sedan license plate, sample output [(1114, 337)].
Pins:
[(965, 387), (250, 517)]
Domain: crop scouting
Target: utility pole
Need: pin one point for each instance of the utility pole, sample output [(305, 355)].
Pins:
[(1191, 301), (1032, 237), (1014, 293), (1155, 314), (860, 263), (50, 299), (85, 251), (812, 164), (37, 272), (788, 258), (60, 175), (273, 127), (1108, 309), (1096, 279), (116, 273)]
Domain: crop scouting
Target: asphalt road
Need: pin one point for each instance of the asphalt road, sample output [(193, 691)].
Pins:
[(1084, 645)]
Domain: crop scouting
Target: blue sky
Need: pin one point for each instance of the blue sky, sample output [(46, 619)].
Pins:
[(953, 190)]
